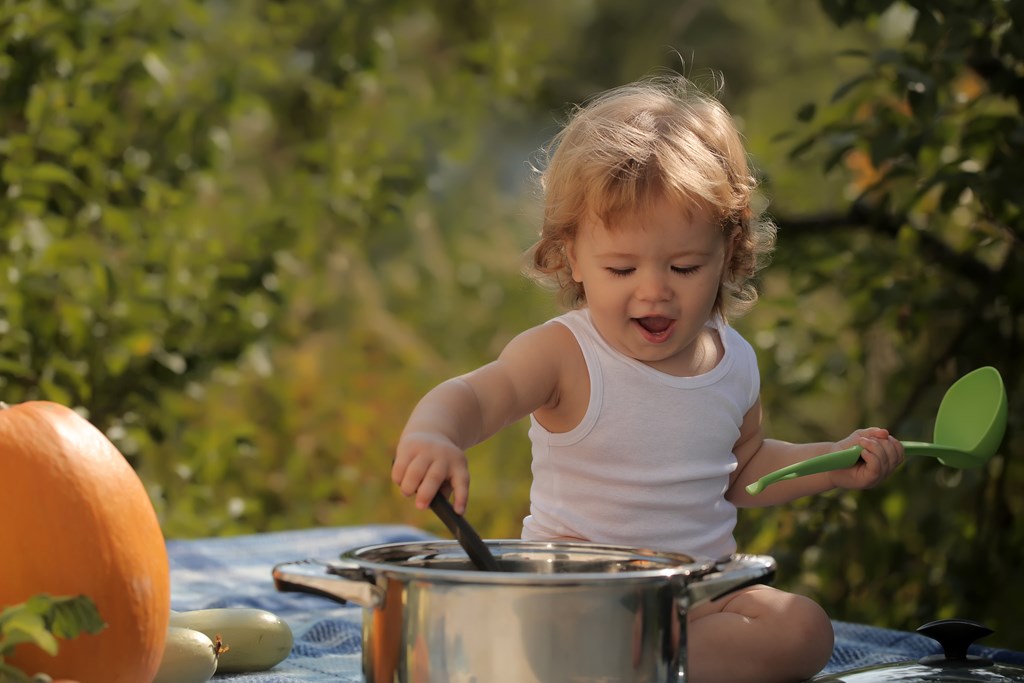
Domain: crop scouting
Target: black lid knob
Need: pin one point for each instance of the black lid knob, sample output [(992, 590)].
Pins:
[(955, 636)]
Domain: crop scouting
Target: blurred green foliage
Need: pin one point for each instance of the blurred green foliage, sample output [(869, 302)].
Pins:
[(918, 282), (244, 237)]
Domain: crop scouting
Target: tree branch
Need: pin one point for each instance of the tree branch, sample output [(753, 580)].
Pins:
[(862, 217)]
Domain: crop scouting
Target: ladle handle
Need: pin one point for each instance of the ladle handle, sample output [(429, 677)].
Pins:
[(837, 460), (465, 534), (848, 457)]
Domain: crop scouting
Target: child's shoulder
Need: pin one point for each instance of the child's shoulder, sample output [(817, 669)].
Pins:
[(544, 355), (733, 338), (550, 346), (552, 335)]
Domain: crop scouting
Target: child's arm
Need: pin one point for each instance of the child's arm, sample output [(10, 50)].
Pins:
[(463, 411), (757, 456)]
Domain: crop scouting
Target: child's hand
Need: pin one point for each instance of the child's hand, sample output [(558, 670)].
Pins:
[(426, 463), (882, 454)]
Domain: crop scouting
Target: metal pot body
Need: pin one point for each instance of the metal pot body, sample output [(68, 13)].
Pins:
[(567, 612)]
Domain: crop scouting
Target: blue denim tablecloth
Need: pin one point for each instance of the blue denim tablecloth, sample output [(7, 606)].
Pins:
[(236, 572)]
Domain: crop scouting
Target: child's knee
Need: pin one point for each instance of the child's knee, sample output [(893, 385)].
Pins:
[(811, 631)]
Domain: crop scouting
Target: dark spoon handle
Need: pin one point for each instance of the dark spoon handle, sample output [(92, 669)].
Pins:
[(464, 534)]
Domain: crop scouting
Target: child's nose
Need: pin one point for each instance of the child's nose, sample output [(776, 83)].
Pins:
[(654, 286)]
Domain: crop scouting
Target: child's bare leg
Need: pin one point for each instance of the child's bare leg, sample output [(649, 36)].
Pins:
[(758, 634)]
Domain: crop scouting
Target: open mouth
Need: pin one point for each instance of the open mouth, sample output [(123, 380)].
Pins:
[(655, 328), (655, 324)]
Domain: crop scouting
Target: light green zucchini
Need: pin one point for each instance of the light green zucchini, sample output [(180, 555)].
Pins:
[(189, 657), (256, 639)]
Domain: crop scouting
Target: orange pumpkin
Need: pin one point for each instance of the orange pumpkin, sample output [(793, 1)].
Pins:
[(75, 519)]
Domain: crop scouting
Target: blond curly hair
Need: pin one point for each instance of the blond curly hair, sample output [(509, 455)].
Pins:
[(630, 146)]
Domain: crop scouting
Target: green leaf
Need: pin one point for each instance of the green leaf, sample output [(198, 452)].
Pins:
[(26, 627), (8, 674), (837, 155), (52, 173), (42, 617), (853, 52), (802, 147), (846, 87), (70, 617), (14, 368), (806, 112)]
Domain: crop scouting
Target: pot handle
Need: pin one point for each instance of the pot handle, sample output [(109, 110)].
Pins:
[(335, 580), (728, 575), (722, 577)]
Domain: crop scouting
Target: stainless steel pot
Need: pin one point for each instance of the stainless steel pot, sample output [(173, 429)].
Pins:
[(566, 612)]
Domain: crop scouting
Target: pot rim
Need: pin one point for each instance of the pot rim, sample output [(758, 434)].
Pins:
[(675, 565)]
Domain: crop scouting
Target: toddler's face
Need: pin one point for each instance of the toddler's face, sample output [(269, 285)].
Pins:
[(651, 281)]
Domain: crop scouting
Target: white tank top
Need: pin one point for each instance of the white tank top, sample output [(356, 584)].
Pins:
[(649, 464)]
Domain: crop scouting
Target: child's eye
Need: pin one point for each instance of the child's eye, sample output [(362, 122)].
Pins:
[(685, 270), (621, 272)]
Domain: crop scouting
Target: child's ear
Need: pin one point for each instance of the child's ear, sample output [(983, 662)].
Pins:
[(570, 256), (731, 239)]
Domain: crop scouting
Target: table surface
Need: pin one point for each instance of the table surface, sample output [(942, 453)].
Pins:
[(236, 572)]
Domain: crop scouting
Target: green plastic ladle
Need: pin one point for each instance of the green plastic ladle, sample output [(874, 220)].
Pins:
[(968, 429)]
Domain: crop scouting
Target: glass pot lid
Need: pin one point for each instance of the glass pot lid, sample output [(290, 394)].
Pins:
[(953, 664)]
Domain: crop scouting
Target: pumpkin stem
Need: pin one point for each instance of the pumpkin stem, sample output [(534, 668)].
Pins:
[(219, 647)]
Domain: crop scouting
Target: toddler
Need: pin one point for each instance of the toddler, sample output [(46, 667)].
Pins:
[(645, 417)]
